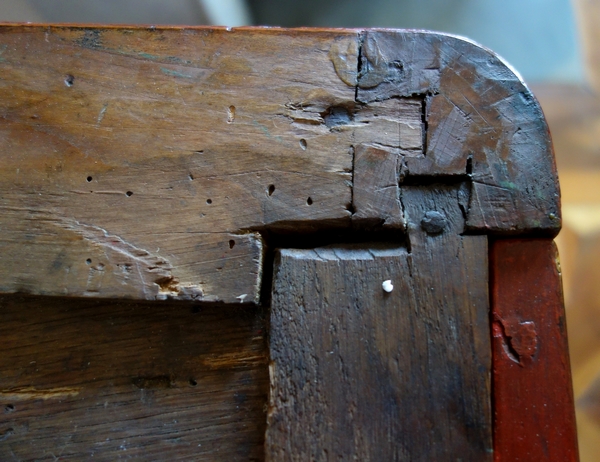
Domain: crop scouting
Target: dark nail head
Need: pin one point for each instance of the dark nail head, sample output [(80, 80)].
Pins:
[(434, 222)]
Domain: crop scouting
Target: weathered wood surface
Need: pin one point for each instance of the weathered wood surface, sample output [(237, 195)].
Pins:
[(145, 162), (361, 374), (482, 121), (533, 396), (104, 380), (167, 144)]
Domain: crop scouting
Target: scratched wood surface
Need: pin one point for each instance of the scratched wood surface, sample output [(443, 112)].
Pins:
[(146, 162), (158, 163), (482, 121), (533, 394), (361, 374), (106, 380)]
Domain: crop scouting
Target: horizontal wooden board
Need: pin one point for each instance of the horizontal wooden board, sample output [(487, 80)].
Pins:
[(146, 162), (155, 153), (104, 380)]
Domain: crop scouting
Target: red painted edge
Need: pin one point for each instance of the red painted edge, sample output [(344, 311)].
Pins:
[(534, 412)]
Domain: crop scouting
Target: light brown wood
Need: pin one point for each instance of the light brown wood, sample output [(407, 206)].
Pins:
[(361, 374), (105, 380), (151, 152), (150, 162)]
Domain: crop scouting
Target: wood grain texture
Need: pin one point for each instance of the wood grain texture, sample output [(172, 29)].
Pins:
[(534, 416), (482, 121), (376, 194), (146, 162), (361, 374), (170, 143), (105, 380)]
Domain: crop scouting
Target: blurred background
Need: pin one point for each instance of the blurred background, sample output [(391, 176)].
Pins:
[(554, 44)]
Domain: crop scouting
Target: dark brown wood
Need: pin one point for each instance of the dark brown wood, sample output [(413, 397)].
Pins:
[(105, 380), (146, 162), (482, 121), (361, 374), (376, 193), (159, 163), (534, 416)]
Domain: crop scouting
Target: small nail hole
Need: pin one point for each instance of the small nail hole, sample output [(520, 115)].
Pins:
[(69, 80), (89, 178), (193, 383), (271, 189), (303, 144), (88, 261), (309, 201), (9, 408), (191, 177), (209, 201), (231, 244), (230, 114), (129, 193)]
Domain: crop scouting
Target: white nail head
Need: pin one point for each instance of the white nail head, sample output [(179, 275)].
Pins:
[(387, 286)]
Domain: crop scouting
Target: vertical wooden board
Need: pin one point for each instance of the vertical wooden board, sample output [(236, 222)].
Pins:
[(104, 380), (375, 191), (361, 374), (534, 415)]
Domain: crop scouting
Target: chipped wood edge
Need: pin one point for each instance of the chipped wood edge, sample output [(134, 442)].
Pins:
[(534, 412), (504, 145)]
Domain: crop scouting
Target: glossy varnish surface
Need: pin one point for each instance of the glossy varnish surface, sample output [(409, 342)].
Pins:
[(533, 394)]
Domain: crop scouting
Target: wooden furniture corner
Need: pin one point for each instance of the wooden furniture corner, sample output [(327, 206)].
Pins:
[(257, 243)]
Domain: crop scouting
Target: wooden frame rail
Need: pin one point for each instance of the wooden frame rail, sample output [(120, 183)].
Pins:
[(347, 185)]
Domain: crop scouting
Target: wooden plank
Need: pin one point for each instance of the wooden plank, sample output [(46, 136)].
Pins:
[(160, 155), (171, 141), (105, 380), (361, 374), (533, 397)]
